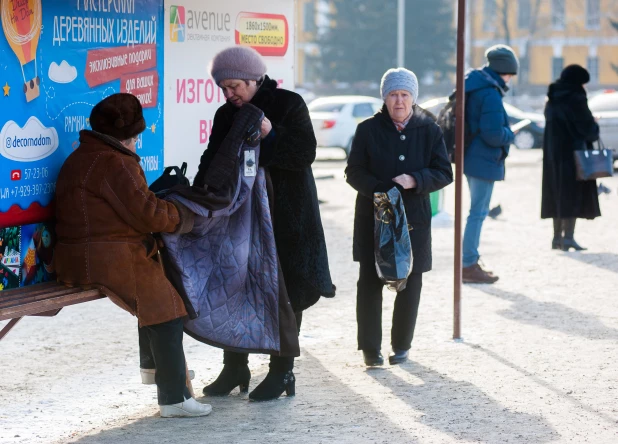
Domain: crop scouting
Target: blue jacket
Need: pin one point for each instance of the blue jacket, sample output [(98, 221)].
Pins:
[(488, 123)]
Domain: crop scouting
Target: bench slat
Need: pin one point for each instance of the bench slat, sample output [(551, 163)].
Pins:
[(14, 298), (48, 304), (25, 298), (36, 287)]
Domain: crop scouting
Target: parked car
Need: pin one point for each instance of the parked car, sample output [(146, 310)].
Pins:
[(604, 107), (531, 136), (335, 118)]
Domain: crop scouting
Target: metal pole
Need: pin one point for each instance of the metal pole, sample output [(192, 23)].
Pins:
[(459, 162), (401, 32)]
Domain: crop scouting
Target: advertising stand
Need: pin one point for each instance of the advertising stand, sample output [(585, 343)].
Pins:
[(59, 58)]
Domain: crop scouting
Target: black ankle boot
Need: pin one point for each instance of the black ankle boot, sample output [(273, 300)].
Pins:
[(567, 244), (274, 385), (235, 373), (231, 376), (279, 379), (556, 243)]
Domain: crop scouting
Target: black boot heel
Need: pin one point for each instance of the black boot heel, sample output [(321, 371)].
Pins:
[(290, 389), (273, 386), (231, 376)]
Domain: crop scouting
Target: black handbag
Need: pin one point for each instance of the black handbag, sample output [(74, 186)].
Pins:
[(591, 164), (167, 180), (392, 246)]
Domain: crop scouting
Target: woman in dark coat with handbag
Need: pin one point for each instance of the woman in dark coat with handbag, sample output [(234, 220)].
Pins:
[(400, 146), (570, 126), (287, 150)]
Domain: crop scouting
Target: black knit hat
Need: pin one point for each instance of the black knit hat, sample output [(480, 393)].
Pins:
[(119, 115), (575, 74), (502, 59)]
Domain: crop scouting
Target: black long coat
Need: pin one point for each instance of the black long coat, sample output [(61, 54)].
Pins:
[(287, 155), (569, 126), (379, 153)]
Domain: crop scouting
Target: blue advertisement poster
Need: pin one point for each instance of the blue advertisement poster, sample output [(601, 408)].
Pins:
[(37, 253), (58, 58)]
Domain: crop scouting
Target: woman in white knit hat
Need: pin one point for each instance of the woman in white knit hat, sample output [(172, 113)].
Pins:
[(400, 146), (287, 150)]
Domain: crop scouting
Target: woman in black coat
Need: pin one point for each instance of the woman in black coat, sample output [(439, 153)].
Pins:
[(400, 146), (287, 150), (569, 126)]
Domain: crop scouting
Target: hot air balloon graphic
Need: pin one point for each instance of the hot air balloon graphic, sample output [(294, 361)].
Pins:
[(21, 22)]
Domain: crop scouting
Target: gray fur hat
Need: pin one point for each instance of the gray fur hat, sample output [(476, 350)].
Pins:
[(399, 78), (237, 62), (502, 59)]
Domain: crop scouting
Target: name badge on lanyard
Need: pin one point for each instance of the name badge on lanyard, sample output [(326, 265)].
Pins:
[(250, 166)]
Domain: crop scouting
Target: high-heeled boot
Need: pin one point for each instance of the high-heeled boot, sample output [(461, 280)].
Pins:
[(279, 379), (569, 231), (235, 373), (556, 243)]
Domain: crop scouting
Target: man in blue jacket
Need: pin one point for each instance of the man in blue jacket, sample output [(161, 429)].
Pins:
[(485, 155)]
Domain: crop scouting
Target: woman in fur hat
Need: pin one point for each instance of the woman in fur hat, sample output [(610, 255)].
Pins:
[(570, 126), (287, 151)]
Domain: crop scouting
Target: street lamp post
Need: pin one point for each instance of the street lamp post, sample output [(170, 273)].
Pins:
[(459, 163), (401, 32)]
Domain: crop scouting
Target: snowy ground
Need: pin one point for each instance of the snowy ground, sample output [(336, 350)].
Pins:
[(537, 364)]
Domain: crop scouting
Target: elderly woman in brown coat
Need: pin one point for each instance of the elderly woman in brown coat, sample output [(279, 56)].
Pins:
[(105, 216)]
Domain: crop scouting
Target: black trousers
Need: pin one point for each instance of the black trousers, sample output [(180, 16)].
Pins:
[(160, 348), (277, 363), (369, 310)]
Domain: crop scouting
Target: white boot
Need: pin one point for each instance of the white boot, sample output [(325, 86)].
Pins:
[(148, 375), (189, 408)]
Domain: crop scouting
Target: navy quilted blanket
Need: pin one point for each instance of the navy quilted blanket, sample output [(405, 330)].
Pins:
[(227, 264)]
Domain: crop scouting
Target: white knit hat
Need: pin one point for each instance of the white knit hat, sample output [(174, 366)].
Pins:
[(399, 78)]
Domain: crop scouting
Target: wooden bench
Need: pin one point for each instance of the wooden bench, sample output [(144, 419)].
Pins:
[(47, 300), (41, 300)]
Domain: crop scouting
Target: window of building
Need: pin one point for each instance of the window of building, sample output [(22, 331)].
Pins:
[(490, 15), (593, 69), (524, 70), (557, 64), (557, 14), (309, 17), (593, 14), (523, 14)]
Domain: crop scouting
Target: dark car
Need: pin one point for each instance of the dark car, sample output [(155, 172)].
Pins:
[(530, 136)]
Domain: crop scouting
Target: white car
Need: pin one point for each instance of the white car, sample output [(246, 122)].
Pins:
[(335, 118), (604, 107)]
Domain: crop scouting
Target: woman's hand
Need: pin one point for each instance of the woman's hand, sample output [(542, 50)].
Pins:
[(266, 127), (406, 181)]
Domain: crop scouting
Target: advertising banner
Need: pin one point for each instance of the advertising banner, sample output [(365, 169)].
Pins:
[(195, 31), (57, 60)]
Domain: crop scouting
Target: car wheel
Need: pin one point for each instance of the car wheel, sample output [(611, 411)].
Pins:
[(524, 140)]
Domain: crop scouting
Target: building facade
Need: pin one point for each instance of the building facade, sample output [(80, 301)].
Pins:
[(548, 35)]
